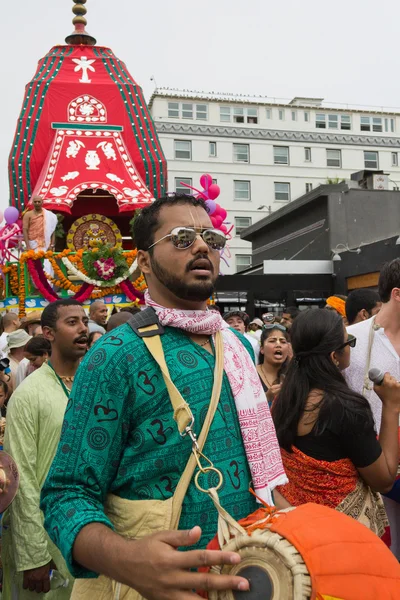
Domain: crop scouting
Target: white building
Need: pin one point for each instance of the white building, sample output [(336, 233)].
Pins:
[(264, 154)]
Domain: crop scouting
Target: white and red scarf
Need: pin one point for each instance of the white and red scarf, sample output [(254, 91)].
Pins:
[(258, 431)]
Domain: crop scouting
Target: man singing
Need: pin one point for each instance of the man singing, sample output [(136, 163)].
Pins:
[(120, 443)]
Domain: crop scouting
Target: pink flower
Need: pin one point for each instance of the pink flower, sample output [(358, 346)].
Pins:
[(105, 268)]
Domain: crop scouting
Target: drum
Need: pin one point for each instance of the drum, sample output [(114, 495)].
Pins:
[(306, 553)]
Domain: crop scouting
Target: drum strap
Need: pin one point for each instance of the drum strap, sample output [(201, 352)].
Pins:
[(183, 415)]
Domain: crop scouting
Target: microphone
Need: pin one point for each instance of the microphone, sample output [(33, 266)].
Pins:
[(376, 376)]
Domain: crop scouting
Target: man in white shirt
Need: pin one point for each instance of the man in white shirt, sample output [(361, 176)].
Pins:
[(378, 345)]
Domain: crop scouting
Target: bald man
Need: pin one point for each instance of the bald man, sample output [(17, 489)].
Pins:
[(10, 323), (98, 313), (117, 320), (39, 226)]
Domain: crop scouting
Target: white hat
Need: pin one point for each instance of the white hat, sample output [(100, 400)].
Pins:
[(17, 339), (257, 322)]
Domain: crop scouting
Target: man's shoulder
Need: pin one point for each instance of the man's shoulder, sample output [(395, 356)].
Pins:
[(361, 328), (32, 389)]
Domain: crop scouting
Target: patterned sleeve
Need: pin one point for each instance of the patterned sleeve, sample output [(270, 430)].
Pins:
[(94, 433)]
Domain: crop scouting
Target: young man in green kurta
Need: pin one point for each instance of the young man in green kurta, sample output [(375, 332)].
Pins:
[(119, 435), (34, 420)]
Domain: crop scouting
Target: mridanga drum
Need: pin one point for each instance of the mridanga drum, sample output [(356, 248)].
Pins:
[(305, 553)]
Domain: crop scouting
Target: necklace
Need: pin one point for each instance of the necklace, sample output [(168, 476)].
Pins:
[(265, 377), (204, 343)]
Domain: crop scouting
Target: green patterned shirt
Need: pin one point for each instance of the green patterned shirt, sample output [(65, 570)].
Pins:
[(119, 437)]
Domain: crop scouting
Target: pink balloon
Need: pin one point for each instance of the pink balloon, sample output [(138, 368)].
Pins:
[(206, 181), (224, 229), (11, 215), (217, 221), (211, 206), (1, 216), (214, 191), (223, 213)]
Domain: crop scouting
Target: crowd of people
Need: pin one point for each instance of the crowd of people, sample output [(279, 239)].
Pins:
[(90, 424)]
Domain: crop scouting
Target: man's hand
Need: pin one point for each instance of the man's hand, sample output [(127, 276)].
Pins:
[(38, 580), (389, 392), (160, 572)]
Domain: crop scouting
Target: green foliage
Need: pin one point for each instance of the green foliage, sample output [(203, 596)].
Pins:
[(334, 181), (60, 231), (105, 251), (132, 221)]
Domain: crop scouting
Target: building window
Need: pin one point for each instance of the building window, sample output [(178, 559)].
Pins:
[(215, 180), (345, 122), (307, 154), (308, 187), (182, 189), (334, 158), (243, 261), (268, 113), (241, 223), (389, 125), (252, 116), (281, 155), (371, 160), (241, 153), (212, 149), (395, 159), (173, 110), (183, 150), (281, 114), (225, 114), (282, 192), (320, 122), (371, 124), (201, 112), (238, 115), (294, 115), (187, 111), (333, 121), (306, 117), (242, 190)]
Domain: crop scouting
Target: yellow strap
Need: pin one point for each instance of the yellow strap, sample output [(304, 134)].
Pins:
[(182, 412)]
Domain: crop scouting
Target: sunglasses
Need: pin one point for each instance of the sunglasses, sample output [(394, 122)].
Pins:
[(184, 237), (351, 341), (270, 326)]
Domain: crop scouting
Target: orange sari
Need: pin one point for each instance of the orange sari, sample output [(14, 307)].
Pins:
[(334, 484)]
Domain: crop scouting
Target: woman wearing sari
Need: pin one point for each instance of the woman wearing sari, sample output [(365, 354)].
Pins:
[(330, 449)]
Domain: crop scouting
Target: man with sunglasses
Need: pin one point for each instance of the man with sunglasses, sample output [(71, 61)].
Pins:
[(120, 438)]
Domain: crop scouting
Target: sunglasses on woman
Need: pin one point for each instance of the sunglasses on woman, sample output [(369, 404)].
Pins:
[(351, 341), (270, 326), (184, 237)]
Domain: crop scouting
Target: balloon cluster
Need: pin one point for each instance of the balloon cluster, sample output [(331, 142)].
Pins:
[(209, 194), (10, 233)]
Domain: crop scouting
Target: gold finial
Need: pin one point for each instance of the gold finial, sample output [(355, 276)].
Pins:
[(80, 36)]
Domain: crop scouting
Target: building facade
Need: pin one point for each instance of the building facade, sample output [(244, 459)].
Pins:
[(264, 155)]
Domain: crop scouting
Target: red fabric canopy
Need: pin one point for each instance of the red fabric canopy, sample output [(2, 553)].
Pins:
[(81, 160), (85, 95)]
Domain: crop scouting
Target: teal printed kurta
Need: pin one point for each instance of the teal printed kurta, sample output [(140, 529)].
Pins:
[(119, 437), (34, 419)]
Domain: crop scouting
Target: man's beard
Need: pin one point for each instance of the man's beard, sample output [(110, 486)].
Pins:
[(198, 291)]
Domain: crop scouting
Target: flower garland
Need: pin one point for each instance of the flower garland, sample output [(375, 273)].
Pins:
[(74, 262), (14, 281), (97, 282)]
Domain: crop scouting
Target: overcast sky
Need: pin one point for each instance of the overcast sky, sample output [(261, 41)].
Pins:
[(345, 51)]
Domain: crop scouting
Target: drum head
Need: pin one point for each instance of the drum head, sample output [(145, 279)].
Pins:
[(9, 480), (273, 566)]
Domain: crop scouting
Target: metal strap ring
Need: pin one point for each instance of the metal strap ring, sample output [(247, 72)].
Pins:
[(205, 471)]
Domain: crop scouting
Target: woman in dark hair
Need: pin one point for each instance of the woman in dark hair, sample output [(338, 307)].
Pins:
[(326, 431), (93, 338), (274, 358)]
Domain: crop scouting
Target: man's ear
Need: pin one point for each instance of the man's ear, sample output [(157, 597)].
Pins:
[(48, 333), (143, 260)]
